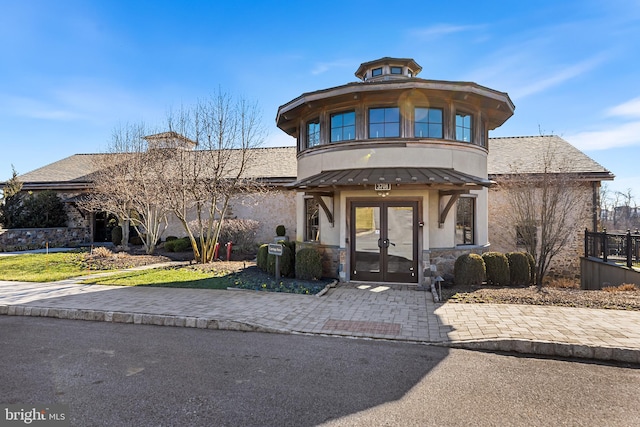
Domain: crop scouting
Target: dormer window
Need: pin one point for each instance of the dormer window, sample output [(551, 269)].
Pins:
[(396, 70), (376, 72)]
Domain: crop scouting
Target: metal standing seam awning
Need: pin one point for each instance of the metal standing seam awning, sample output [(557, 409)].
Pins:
[(399, 176), (448, 181)]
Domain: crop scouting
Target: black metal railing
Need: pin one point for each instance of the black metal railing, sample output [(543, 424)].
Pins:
[(613, 247)]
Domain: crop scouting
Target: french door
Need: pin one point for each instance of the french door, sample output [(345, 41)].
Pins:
[(384, 241)]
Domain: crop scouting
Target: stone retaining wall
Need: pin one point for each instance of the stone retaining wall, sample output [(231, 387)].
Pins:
[(38, 238)]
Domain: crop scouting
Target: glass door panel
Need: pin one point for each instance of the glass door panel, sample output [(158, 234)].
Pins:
[(400, 251), (384, 241), (366, 220)]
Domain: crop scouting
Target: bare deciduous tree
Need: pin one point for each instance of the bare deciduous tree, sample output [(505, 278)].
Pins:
[(202, 182), (548, 207), (127, 183)]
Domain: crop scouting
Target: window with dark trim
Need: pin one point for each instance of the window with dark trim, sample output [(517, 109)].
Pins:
[(464, 127), (384, 122), (376, 72), (312, 220), (343, 126), (396, 70), (465, 220), (313, 133), (428, 123)]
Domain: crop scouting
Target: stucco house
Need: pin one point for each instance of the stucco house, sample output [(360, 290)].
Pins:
[(398, 166), (390, 176)]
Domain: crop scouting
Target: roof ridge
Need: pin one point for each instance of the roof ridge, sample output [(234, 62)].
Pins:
[(525, 136)]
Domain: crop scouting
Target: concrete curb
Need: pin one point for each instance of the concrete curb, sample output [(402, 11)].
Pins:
[(136, 318), (553, 349), (540, 348)]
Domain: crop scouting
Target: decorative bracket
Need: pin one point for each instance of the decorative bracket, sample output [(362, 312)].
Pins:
[(328, 212), (455, 195)]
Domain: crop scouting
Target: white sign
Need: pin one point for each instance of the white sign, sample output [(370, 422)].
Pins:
[(275, 249), (383, 187)]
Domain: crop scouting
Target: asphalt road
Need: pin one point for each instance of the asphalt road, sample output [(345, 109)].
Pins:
[(135, 375)]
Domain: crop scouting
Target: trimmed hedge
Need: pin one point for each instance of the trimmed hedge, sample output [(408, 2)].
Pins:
[(519, 268), (263, 254), (177, 245), (497, 268), (532, 266), (286, 262), (469, 269), (308, 264)]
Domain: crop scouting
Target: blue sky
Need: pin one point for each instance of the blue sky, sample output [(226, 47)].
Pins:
[(72, 71)]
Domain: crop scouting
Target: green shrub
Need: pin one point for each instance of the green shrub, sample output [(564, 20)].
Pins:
[(497, 268), (519, 269), (532, 267), (286, 262), (292, 253), (135, 240), (116, 235), (308, 264), (182, 245), (170, 238), (280, 230), (469, 269), (263, 252), (170, 245)]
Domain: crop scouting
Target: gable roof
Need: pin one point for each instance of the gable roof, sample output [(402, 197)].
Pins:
[(524, 154)]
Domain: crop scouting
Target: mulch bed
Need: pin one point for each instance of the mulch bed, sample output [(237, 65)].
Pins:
[(564, 297)]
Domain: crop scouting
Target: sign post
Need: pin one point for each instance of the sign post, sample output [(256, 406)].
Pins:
[(276, 249)]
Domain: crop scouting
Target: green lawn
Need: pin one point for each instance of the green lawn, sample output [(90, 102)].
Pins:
[(42, 267), (64, 265), (172, 278)]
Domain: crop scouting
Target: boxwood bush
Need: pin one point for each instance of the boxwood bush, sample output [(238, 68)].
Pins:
[(497, 268), (519, 268), (286, 262), (469, 269), (308, 264), (263, 254)]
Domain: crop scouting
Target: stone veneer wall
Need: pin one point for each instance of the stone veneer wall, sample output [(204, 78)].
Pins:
[(444, 261), (37, 238), (502, 231), (331, 265)]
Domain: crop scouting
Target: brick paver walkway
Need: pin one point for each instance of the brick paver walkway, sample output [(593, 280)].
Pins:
[(397, 313)]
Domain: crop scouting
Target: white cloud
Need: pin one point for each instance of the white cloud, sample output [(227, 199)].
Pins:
[(630, 108), (438, 30), (560, 76), (323, 67), (624, 135), (36, 109)]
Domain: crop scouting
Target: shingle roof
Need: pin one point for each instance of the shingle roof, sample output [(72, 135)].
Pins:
[(506, 156), (524, 154), (76, 168), (271, 163)]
